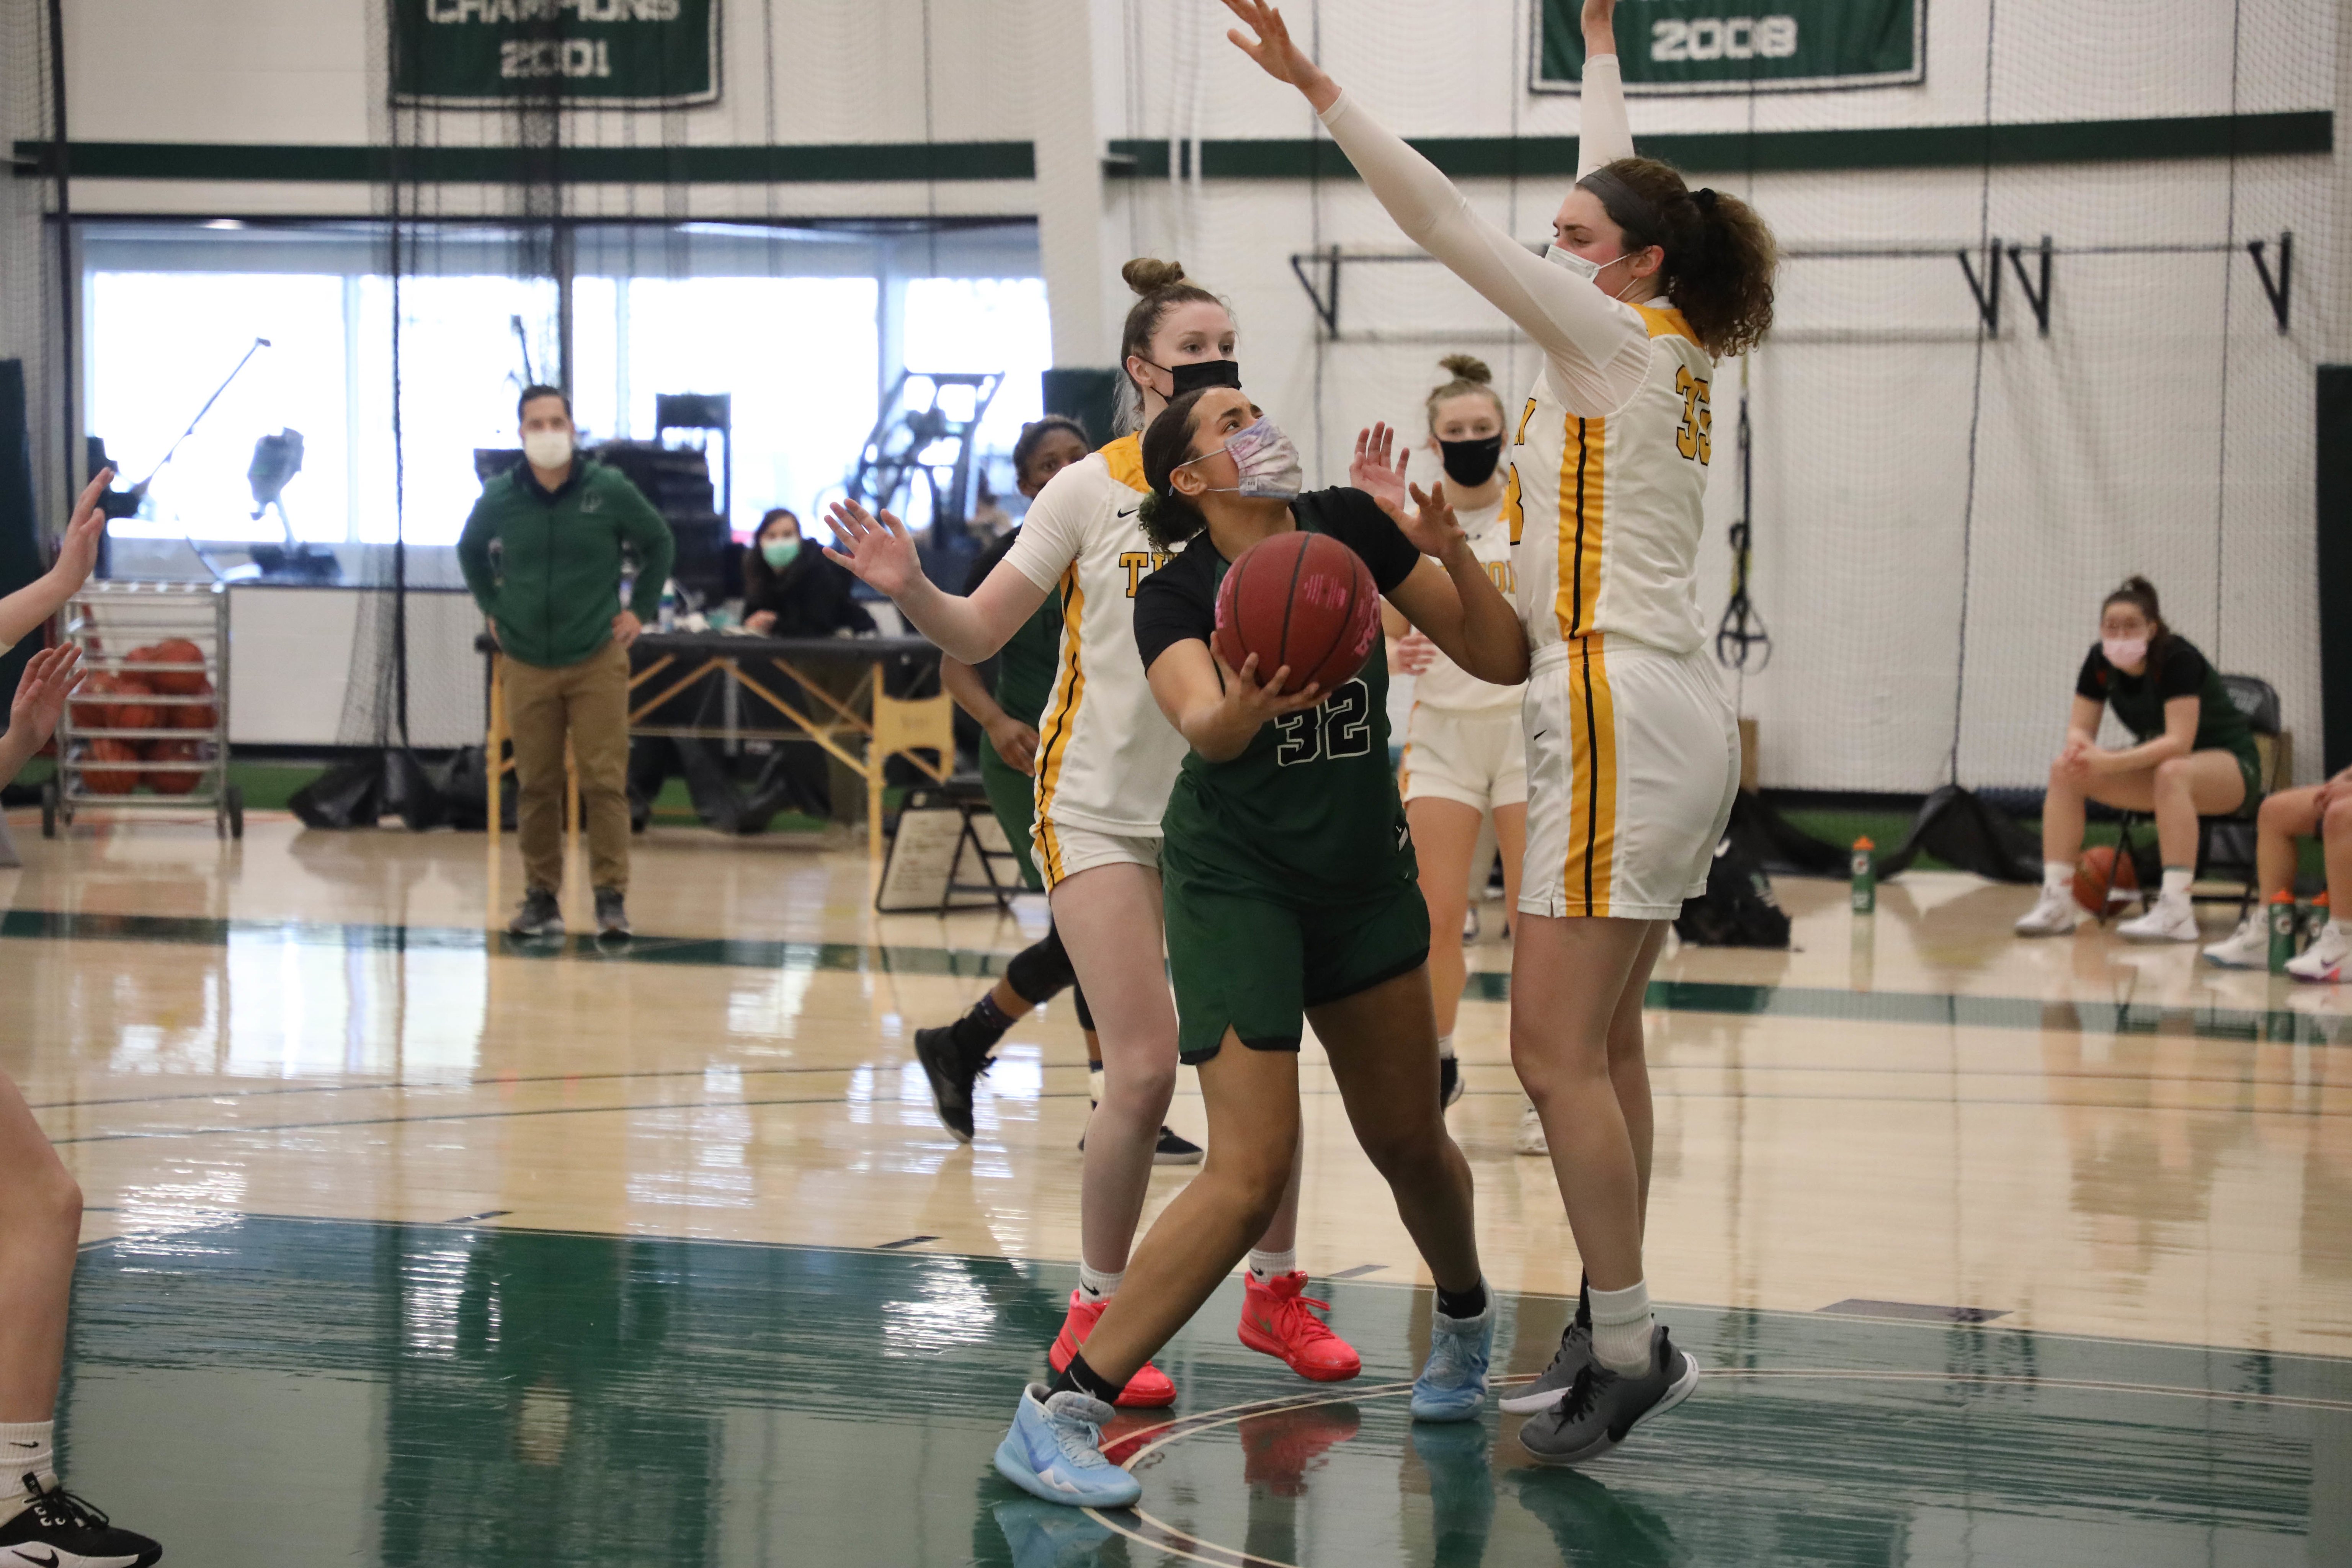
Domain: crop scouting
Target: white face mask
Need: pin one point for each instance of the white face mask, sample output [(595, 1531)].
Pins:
[(547, 448), (1586, 268)]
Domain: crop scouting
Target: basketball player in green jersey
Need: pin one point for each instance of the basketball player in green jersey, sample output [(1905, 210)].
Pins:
[(1291, 896)]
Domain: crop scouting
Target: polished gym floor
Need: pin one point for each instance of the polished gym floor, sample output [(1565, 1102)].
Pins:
[(408, 1245)]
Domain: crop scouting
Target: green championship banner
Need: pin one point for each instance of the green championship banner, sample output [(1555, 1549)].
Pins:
[(1729, 45), (638, 53)]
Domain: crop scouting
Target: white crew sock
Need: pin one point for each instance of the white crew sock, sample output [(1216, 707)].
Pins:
[(1265, 1266), (1094, 1085), (1096, 1286), (2057, 876), (1621, 1329), (27, 1447), (1446, 1047), (2176, 883)]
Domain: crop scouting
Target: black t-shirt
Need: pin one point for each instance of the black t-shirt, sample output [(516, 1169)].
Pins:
[(1309, 812), (2182, 672)]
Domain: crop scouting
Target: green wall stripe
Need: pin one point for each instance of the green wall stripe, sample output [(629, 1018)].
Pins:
[(1899, 147), (877, 162), (1772, 152), (1931, 1009)]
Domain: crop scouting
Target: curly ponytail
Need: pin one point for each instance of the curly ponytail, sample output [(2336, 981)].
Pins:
[(1720, 255), (1169, 518)]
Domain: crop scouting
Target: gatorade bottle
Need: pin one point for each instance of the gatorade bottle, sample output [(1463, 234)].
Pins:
[(2315, 916), (2283, 924), (667, 620), (1866, 878)]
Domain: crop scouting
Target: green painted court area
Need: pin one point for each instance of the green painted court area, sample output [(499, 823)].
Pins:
[(299, 1391)]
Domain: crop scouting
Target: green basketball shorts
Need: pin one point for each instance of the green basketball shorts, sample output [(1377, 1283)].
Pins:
[(1255, 966)]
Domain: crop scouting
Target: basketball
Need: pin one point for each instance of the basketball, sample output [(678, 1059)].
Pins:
[(175, 781), (2101, 871), (192, 716), (133, 715), (111, 767), (89, 711), (175, 683), (1301, 599)]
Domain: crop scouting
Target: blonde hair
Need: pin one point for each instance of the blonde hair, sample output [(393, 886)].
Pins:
[(1159, 287), (1470, 374)]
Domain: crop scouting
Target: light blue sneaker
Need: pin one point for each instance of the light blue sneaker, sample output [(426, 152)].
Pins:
[(1054, 1451), (1452, 1385)]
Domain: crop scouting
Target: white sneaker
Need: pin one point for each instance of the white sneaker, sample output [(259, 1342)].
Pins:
[(2168, 920), (2323, 964), (2053, 914), (2248, 947), (1531, 1139)]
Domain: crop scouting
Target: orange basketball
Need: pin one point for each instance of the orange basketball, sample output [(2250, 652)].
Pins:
[(175, 781), (111, 767), (173, 682), (2101, 871), (134, 715), (88, 713)]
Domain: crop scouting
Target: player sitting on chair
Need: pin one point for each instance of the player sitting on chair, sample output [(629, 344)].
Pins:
[(2324, 810), (2193, 755)]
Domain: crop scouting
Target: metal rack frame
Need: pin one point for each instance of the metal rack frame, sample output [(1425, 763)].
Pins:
[(106, 616)]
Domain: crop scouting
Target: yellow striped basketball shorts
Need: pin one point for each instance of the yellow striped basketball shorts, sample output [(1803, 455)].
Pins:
[(1632, 762)]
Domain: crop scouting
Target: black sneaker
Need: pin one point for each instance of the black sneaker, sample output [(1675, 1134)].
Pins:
[(1601, 1409), (1449, 1081), (953, 1073), (611, 914), (57, 1529), (1174, 1149), (541, 915)]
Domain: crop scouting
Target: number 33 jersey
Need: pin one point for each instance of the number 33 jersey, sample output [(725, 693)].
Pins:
[(1308, 813), (1604, 512)]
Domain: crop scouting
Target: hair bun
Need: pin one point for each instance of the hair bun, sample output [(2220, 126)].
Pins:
[(1468, 367), (1146, 276)]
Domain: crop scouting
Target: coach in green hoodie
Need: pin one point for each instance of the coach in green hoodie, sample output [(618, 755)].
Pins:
[(542, 555)]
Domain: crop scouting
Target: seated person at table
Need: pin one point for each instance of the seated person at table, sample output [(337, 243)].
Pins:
[(790, 590), (2193, 755), (2322, 811)]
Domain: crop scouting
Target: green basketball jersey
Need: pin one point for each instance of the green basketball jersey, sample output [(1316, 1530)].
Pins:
[(1309, 812)]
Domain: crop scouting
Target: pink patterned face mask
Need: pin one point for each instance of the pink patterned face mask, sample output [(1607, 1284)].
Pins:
[(1267, 461), (2124, 653)]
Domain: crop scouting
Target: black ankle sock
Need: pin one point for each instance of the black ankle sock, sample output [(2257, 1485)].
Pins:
[(1468, 1303), (979, 1030), (1080, 1378), (1584, 1301)]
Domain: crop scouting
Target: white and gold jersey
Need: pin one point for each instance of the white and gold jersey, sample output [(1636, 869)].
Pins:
[(1106, 756), (1445, 684), (1605, 510)]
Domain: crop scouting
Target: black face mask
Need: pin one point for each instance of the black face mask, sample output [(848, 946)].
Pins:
[(1201, 373), (1472, 463)]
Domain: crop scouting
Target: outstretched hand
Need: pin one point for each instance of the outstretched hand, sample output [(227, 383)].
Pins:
[(1432, 526), (1370, 470), (77, 550), (50, 677), (879, 550), (1277, 56)]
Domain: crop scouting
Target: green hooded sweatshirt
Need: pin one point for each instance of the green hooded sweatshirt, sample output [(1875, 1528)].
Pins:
[(555, 582)]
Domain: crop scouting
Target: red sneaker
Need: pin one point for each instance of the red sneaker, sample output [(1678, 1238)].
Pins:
[(1275, 1320), (1148, 1390)]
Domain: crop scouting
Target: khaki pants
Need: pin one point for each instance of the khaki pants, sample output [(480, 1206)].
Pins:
[(590, 700)]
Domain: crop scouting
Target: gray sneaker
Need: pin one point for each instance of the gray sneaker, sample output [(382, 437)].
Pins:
[(1575, 1353), (1603, 1408), (541, 915), (611, 914)]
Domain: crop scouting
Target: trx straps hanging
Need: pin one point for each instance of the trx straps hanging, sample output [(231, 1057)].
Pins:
[(1741, 635)]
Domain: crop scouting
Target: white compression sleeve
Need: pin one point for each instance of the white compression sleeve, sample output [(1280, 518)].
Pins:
[(1605, 134), (1597, 350)]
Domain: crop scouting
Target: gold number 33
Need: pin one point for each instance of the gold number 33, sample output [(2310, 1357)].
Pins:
[(1693, 440)]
